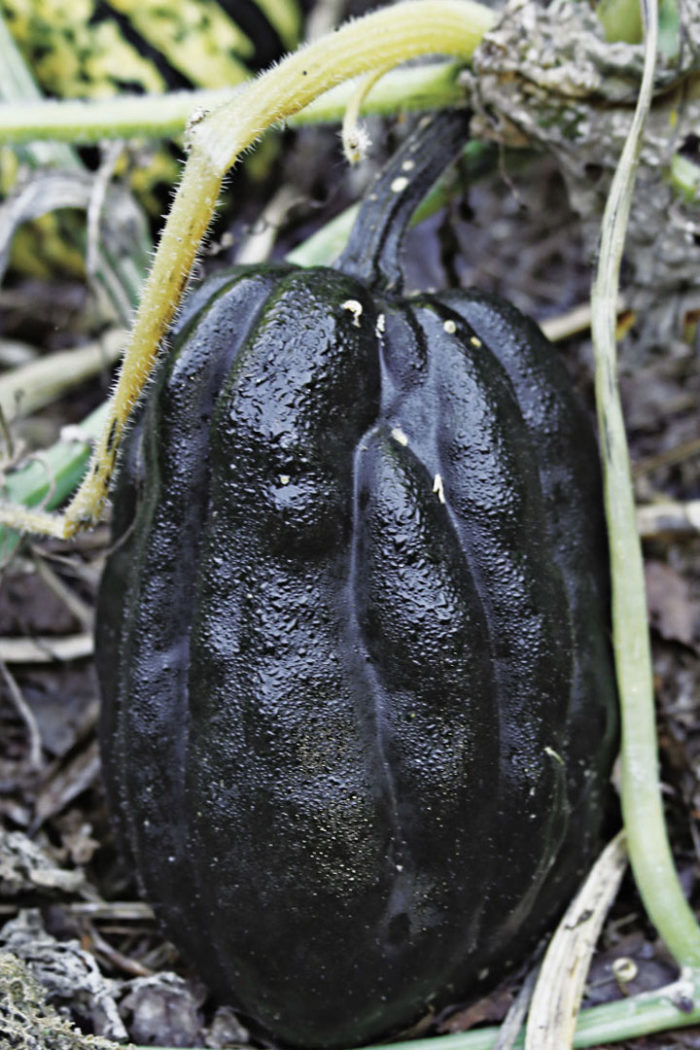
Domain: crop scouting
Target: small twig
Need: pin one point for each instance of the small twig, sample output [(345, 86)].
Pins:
[(87, 572), (45, 649), (66, 781), (511, 1026), (668, 518), (669, 457), (573, 322), (26, 715), (111, 911), (260, 242), (114, 957), (76, 606)]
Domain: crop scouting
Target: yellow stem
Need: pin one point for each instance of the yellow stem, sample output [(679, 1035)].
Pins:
[(191, 212), (378, 41)]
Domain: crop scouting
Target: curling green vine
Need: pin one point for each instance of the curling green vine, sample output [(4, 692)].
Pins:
[(648, 845)]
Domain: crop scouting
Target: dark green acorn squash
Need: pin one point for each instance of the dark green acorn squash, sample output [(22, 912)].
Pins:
[(359, 706)]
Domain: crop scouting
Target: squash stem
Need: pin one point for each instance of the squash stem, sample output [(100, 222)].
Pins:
[(649, 849), (372, 253)]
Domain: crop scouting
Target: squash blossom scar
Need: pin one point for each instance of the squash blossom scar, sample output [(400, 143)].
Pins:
[(355, 309)]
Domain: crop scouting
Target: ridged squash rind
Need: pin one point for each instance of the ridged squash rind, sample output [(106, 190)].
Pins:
[(358, 698)]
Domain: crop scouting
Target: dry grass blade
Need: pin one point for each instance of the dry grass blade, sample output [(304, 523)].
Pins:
[(669, 519), (39, 383), (513, 1023), (112, 911), (82, 612), (66, 783), (573, 322), (25, 713), (557, 997), (44, 650)]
